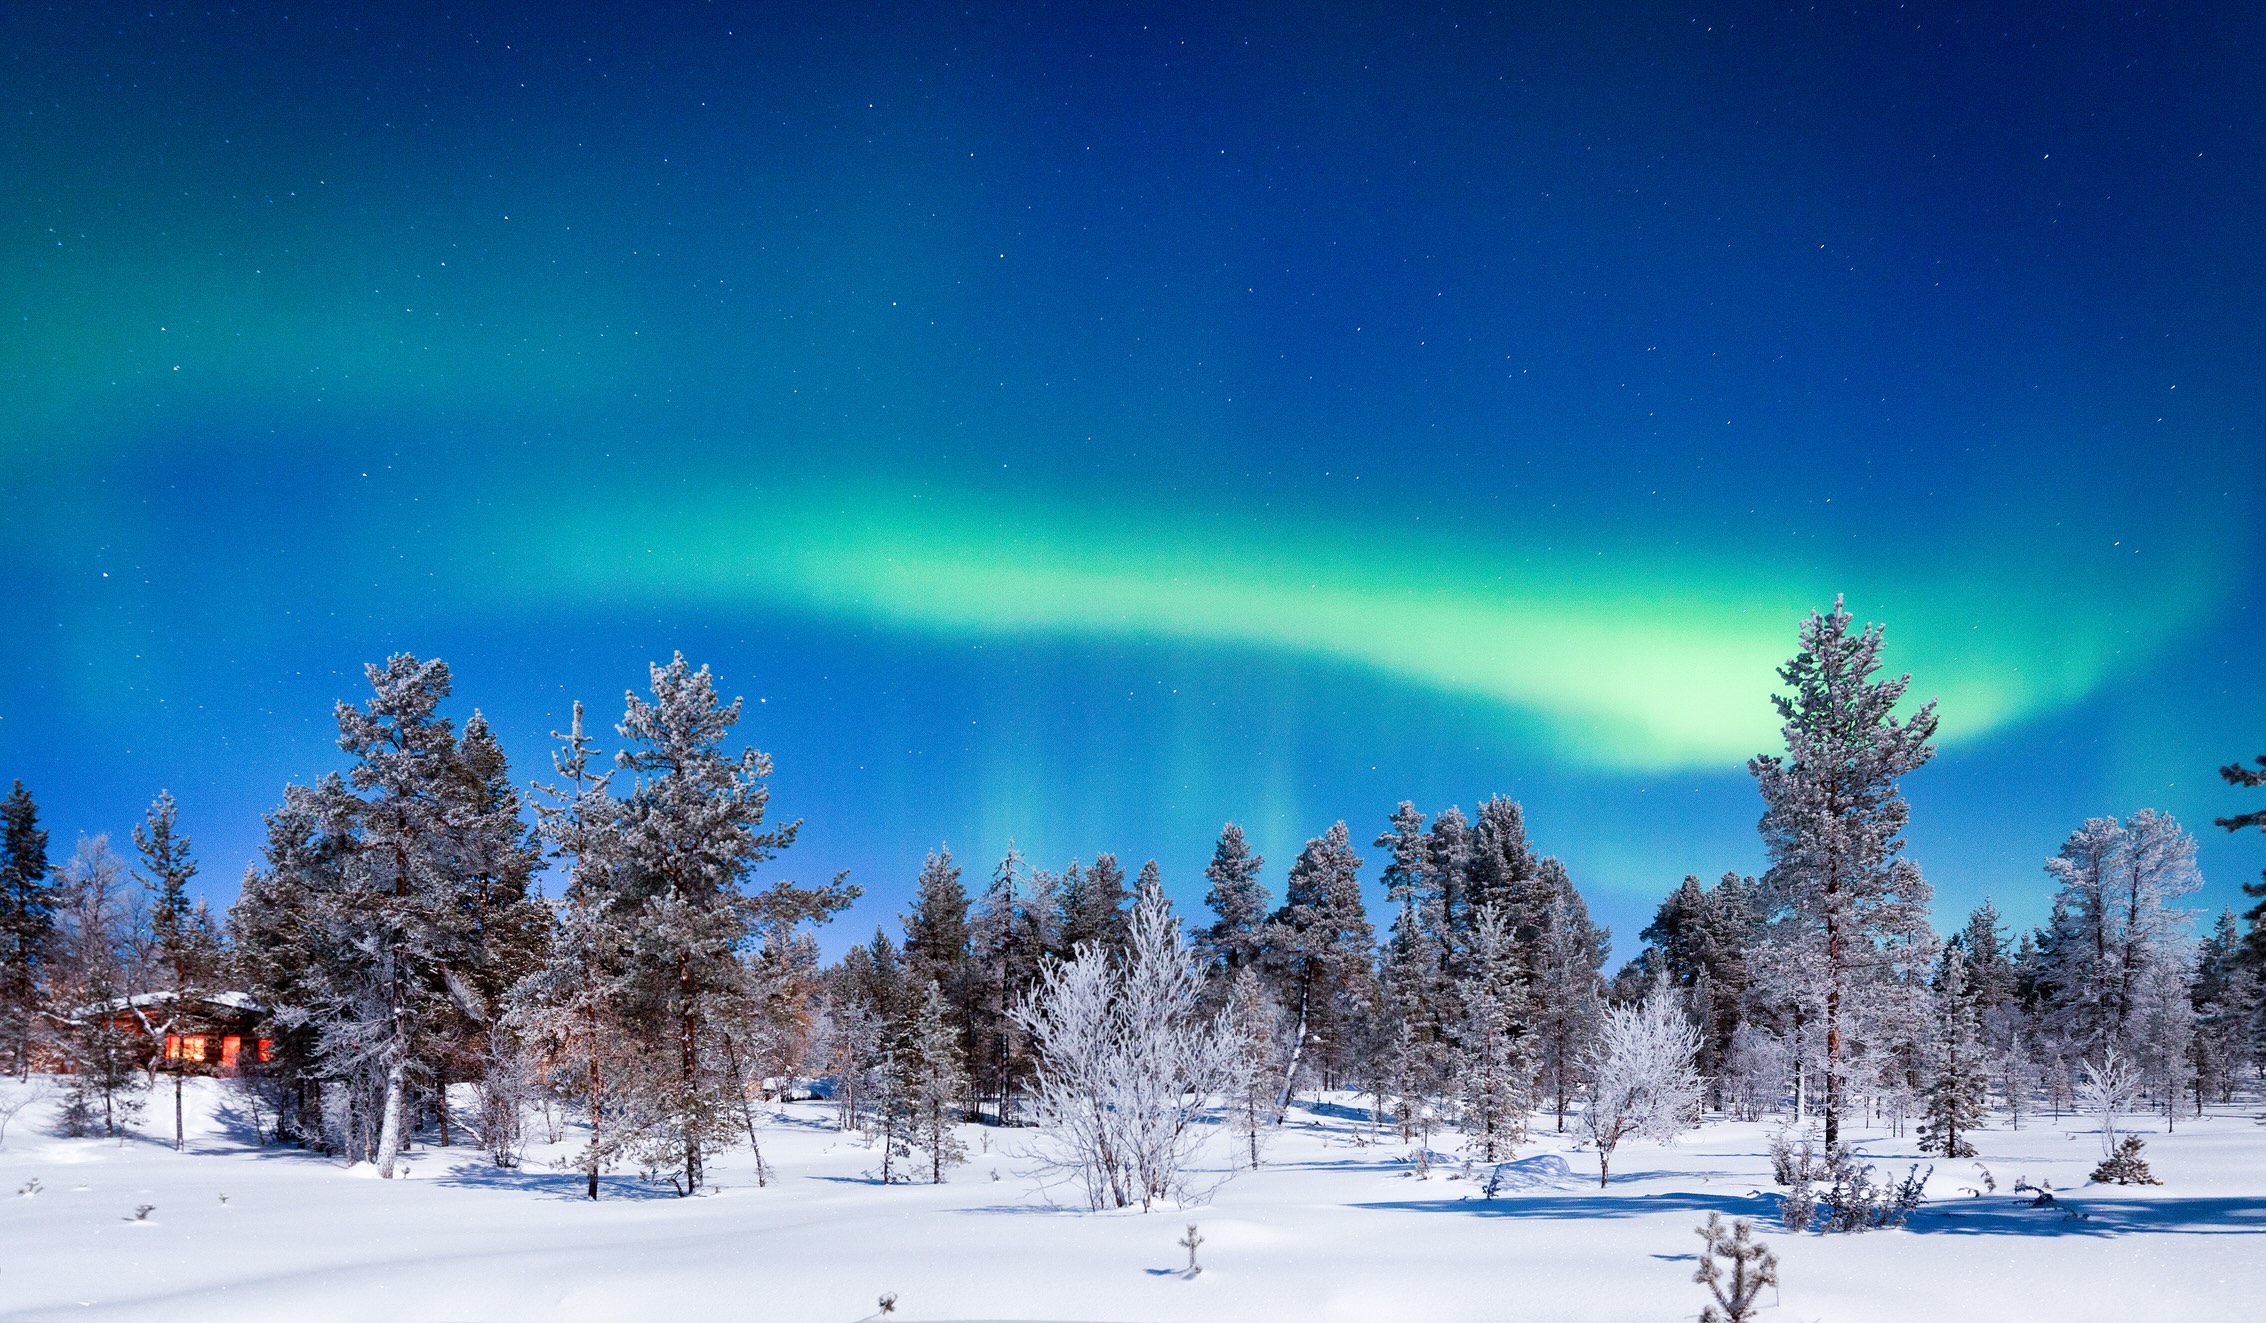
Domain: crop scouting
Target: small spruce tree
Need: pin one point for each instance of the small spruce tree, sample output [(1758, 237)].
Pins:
[(1958, 1081)]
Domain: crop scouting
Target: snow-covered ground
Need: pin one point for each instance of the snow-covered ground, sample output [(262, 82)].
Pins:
[(1335, 1227)]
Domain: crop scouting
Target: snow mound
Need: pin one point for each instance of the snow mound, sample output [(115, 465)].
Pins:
[(1543, 1171)]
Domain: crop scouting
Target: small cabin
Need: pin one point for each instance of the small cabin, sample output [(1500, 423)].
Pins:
[(207, 1033)]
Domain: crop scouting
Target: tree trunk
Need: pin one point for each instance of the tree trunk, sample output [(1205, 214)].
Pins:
[(389, 1132), (1832, 1026), (688, 1062), (179, 1135), (1290, 1073), (597, 1110)]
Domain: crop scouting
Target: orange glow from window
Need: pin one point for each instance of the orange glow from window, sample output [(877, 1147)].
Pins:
[(173, 1047), (193, 1047)]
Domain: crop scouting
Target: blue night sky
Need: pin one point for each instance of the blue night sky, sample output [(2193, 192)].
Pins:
[(1088, 425)]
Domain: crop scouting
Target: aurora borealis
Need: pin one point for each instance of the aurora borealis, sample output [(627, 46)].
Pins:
[(1086, 426)]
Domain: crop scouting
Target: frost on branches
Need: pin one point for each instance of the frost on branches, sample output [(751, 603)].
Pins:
[(1642, 1081), (1127, 1061)]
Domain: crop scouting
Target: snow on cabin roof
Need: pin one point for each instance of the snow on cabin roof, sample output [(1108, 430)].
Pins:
[(235, 1001)]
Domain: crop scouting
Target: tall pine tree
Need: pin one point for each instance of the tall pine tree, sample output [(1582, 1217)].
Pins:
[(1851, 908), (27, 922)]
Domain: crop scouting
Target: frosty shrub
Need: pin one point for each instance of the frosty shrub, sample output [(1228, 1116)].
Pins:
[(2125, 1166), (1127, 1062), (1798, 1208), (1856, 1202), (1793, 1157), (2109, 1089), (1642, 1081), (1734, 1267)]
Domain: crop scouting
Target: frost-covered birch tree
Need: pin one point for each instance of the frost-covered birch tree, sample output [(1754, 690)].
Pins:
[(1642, 1080), (1128, 1061)]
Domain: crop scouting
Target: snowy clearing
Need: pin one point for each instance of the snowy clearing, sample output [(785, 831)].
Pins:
[(1334, 1227)]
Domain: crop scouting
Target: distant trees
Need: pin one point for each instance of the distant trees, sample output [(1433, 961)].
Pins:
[(394, 933)]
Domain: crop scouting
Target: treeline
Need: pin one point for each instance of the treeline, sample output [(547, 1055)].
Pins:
[(395, 935)]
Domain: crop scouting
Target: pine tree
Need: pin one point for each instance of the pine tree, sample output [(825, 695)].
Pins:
[(1318, 950), (1494, 1057), (184, 948), (1417, 997), (1094, 906), (27, 922), (1568, 991), (936, 932), (2247, 778), (1252, 1023), (1504, 873), (1238, 903), (691, 833), (2227, 1006), (571, 1005), (380, 880), (1010, 936), (928, 1084), (1851, 907), (1958, 1084), (2113, 922)]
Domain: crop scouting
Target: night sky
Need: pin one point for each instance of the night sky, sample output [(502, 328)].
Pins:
[(1085, 425)]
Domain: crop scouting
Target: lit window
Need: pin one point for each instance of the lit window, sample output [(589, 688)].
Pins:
[(193, 1047)]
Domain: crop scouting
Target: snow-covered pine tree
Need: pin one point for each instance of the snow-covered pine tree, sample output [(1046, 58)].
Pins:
[(1238, 902), (2227, 1006), (928, 1085), (1093, 906), (1958, 1083), (1504, 874), (937, 934), (2113, 921), (1642, 1080), (1848, 903), (2167, 1033), (27, 923), (1416, 995), (393, 940), (281, 952), (571, 1006), (1008, 938), (1568, 990), (1319, 948), (1494, 1050), (1254, 1025), (508, 928), (692, 830), (1448, 851), (1711, 937), (184, 950)]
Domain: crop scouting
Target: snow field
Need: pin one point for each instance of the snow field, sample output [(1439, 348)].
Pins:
[(1334, 1228)]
